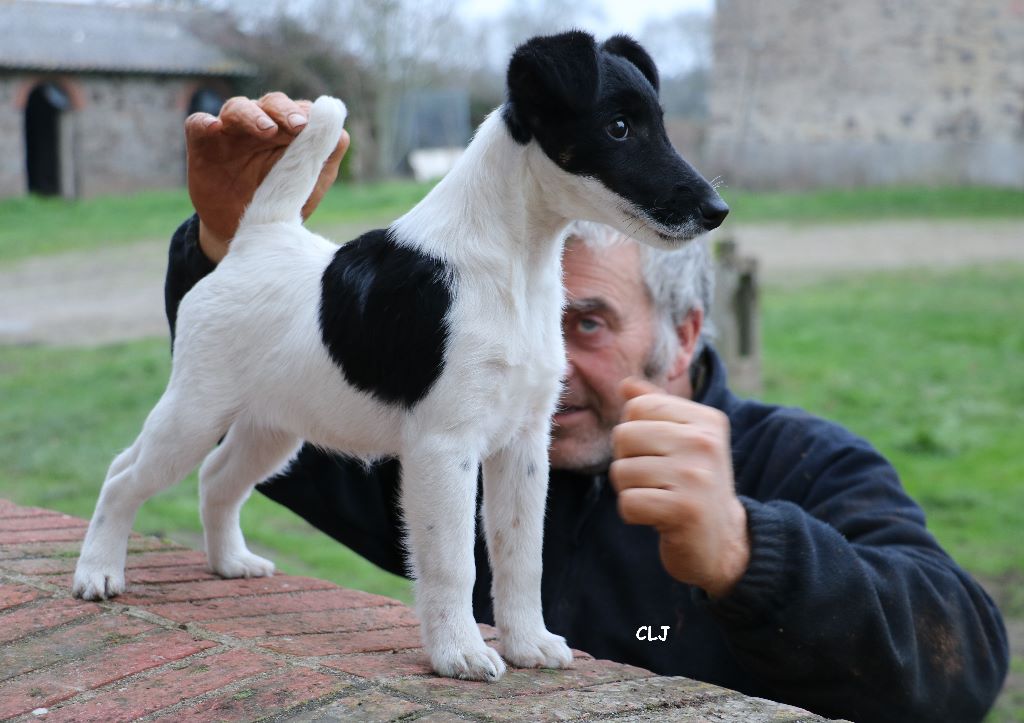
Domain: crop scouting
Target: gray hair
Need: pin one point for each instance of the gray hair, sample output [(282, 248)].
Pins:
[(678, 282)]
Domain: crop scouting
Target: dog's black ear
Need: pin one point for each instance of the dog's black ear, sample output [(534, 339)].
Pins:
[(550, 75), (630, 49)]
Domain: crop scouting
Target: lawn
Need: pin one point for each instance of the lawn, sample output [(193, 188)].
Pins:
[(928, 366), (34, 225)]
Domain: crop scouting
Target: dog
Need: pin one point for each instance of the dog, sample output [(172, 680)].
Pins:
[(437, 340)]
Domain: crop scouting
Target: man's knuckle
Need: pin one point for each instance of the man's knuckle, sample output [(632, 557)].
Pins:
[(630, 410), (682, 510), (707, 442), (233, 103), (627, 506), (679, 469), (274, 96)]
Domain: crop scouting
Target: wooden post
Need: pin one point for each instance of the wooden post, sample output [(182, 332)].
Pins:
[(736, 315)]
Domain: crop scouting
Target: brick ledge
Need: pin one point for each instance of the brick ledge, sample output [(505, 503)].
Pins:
[(183, 643)]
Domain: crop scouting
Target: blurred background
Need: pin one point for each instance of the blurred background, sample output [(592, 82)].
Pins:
[(871, 271)]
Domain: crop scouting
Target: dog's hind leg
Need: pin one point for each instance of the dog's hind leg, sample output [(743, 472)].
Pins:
[(515, 492), (439, 503), (246, 456), (173, 441)]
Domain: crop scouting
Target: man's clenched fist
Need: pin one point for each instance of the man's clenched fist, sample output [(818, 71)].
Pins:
[(673, 471)]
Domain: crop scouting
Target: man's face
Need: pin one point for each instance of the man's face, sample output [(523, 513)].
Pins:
[(609, 328)]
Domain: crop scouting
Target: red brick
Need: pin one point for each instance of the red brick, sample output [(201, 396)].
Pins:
[(60, 534), (443, 717), (39, 549), (343, 643), (41, 615), (592, 702), (140, 696), (367, 705), (320, 621), (48, 687), (263, 698), (520, 681), (308, 601), (91, 637), (63, 565), (151, 576), (71, 549), (166, 575), (9, 510), (209, 589), (12, 594), (382, 666), (42, 522)]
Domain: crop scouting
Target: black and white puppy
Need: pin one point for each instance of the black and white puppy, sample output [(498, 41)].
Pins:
[(437, 340)]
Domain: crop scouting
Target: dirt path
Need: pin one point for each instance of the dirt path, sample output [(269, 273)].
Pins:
[(116, 294)]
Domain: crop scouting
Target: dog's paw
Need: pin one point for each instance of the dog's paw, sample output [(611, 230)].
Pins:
[(243, 564), (541, 650), (97, 583), (475, 662)]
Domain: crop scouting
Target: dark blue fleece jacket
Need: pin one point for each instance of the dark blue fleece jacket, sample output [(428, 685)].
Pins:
[(849, 607)]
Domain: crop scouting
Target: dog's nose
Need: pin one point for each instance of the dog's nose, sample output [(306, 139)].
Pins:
[(713, 212)]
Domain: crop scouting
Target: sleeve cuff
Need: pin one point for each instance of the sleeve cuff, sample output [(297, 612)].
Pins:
[(765, 587)]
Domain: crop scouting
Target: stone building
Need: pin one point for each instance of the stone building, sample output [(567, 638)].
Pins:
[(812, 93), (92, 98)]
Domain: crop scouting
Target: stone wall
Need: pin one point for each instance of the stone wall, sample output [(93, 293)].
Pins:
[(122, 134), (834, 93)]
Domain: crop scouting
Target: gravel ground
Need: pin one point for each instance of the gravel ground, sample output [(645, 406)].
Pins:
[(116, 294)]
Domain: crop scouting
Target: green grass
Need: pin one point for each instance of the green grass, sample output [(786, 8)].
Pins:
[(882, 203), (66, 413), (928, 366), (34, 226)]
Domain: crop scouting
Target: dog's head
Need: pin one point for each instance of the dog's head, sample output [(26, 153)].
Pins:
[(594, 111)]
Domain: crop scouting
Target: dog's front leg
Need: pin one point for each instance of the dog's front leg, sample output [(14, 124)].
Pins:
[(515, 492), (439, 503)]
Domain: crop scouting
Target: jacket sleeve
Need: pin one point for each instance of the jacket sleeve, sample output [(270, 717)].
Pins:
[(357, 504), (849, 606), (186, 265)]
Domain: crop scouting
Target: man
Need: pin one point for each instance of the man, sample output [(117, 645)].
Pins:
[(687, 531)]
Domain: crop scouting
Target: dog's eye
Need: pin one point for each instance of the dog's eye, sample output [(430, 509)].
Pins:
[(618, 129)]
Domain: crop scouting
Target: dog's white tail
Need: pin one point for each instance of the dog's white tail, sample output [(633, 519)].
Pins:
[(286, 188)]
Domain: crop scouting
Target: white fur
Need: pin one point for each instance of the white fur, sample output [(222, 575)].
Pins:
[(249, 361)]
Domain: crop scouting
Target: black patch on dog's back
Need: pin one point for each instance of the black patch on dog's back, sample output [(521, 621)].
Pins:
[(383, 309)]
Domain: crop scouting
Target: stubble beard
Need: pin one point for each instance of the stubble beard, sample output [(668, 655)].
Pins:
[(588, 451)]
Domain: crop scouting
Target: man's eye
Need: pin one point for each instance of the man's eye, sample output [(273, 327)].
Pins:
[(588, 326)]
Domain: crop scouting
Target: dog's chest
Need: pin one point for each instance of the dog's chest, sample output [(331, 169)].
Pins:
[(521, 343)]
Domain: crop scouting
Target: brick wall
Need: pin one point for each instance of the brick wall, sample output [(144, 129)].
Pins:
[(831, 92), (184, 644)]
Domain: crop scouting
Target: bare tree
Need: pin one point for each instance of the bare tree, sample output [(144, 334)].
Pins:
[(681, 46), (403, 44)]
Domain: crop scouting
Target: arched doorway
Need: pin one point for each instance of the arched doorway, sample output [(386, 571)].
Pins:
[(205, 100), (43, 145)]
